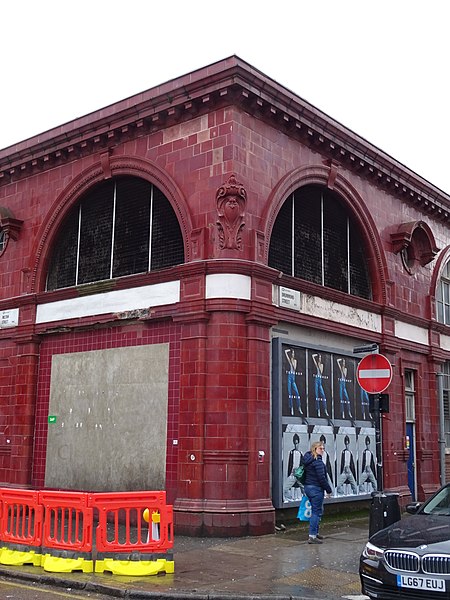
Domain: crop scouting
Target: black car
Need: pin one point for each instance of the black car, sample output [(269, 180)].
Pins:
[(411, 558)]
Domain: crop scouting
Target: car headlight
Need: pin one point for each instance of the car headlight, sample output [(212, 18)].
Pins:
[(373, 552)]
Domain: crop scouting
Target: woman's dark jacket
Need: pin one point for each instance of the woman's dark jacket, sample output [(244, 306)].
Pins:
[(316, 472)]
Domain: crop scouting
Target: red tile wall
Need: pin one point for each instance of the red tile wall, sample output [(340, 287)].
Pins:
[(198, 156), (225, 412), (223, 366)]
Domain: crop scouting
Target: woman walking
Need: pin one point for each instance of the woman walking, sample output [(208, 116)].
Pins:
[(316, 485)]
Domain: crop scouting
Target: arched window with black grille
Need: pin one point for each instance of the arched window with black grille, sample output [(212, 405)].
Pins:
[(122, 226), (315, 238)]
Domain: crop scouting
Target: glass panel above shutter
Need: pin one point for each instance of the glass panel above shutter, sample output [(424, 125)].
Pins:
[(327, 246), (96, 234), (62, 271), (167, 241), (131, 231), (335, 244), (359, 274), (307, 234), (280, 249)]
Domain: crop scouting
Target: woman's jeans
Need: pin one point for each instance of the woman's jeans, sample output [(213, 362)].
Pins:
[(315, 495)]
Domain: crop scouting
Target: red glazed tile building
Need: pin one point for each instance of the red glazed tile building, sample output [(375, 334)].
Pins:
[(185, 277)]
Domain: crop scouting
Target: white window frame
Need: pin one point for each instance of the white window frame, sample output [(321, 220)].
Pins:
[(410, 396), (443, 296)]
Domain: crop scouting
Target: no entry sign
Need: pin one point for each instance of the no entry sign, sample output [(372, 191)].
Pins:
[(374, 373)]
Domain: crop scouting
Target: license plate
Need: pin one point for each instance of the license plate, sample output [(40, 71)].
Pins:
[(430, 584)]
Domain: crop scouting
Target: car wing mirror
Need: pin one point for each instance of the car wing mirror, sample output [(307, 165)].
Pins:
[(413, 507)]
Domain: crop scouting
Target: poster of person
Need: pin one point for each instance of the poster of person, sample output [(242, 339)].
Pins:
[(346, 461), (364, 413), (367, 461), (320, 395), (325, 434), (316, 397), (294, 381), (294, 445), (343, 383)]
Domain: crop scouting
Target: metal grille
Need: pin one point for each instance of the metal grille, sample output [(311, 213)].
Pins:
[(308, 235), (335, 245), (315, 238), (97, 213), (280, 251), (63, 267), (402, 561), (432, 564), (167, 243), (359, 274), (132, 224), (109, 232), (436, 564)]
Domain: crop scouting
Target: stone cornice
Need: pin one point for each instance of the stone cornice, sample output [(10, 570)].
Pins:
[(231, 81)]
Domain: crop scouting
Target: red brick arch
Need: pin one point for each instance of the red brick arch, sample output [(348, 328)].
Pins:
[(329, 177), (101, 170)]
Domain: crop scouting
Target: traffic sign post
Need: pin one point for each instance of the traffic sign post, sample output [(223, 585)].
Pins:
[(374, 374)]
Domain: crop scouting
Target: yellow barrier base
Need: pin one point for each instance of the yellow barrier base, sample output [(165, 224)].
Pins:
[(58, 564), (136, 568), (20, 557)]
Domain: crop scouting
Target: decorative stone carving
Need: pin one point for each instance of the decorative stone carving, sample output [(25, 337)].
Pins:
[(415, 243), (231, 199)]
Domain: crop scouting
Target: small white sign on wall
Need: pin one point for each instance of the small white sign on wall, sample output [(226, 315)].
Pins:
[(9, 318), (289, 298)]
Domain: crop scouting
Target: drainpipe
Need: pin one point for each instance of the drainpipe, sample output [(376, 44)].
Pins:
[(440, 377)]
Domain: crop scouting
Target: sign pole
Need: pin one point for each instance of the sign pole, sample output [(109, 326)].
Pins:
[(378, 449), (374, 374)]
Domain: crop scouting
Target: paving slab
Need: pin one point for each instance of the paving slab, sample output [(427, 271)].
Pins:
[(279, 566)]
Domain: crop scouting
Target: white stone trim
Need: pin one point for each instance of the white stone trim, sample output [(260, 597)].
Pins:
[(143, 297), (228, 285), (444, 342), (412, 333), (316, 306)]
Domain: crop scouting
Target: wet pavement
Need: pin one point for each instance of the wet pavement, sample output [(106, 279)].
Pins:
[(278, 566)]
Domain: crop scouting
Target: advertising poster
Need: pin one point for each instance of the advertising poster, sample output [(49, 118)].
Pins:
[(316, 397)]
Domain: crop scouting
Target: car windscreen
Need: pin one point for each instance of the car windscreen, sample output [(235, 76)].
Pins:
[(438, 504)]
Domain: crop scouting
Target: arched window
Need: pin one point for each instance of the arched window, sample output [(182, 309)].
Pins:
[(443, 295), (314, 238), (119, 227)]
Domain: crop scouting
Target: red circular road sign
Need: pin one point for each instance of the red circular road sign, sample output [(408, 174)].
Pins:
[(374, 373)]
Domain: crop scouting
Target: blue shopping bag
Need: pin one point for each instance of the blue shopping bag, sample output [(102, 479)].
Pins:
[(304, 510)]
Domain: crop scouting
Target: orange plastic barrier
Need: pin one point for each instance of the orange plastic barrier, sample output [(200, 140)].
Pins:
[(21, 517), (55, 530), (122, 525), (68, 521)]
